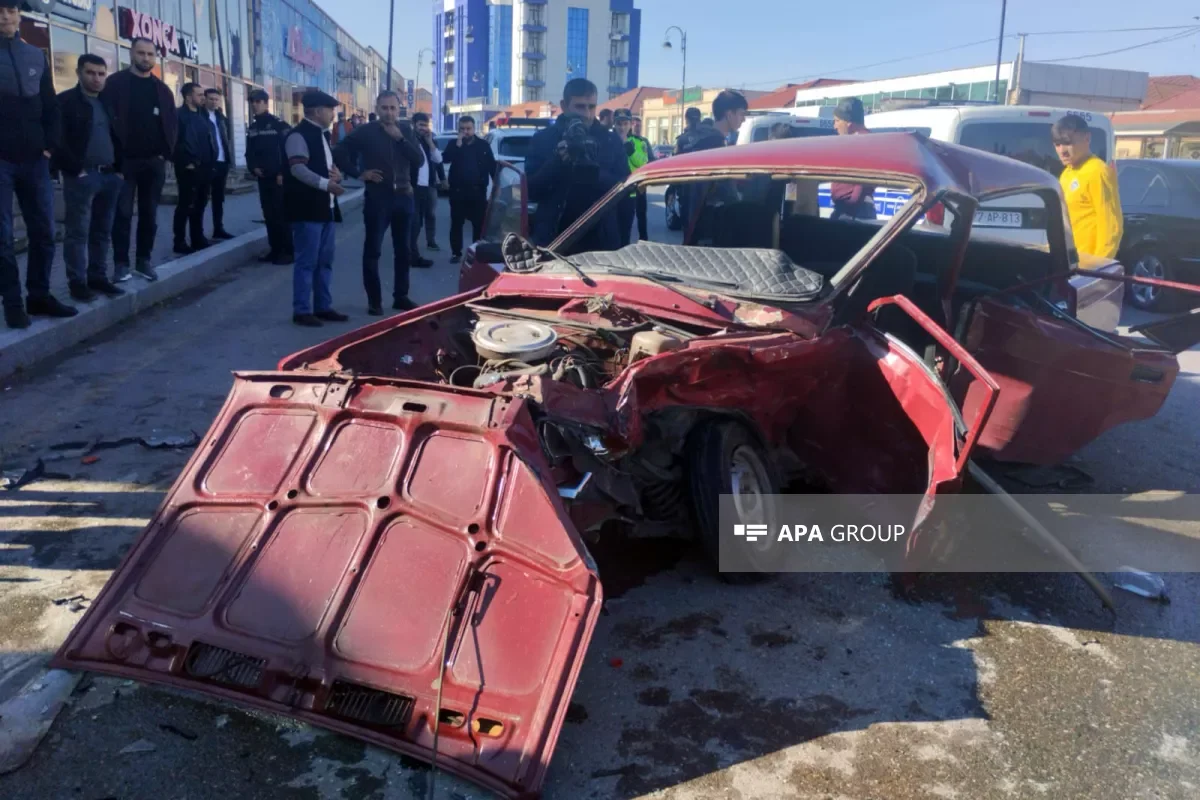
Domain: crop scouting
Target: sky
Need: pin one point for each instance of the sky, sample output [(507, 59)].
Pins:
[(762, 44)]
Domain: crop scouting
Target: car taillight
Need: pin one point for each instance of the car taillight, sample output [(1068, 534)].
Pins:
[(936, 215)]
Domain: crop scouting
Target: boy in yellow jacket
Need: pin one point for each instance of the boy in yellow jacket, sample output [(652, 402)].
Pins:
[(1090, 189)]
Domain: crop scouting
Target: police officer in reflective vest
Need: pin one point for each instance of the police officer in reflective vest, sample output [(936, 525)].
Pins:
[(266, 161), (638, 153)]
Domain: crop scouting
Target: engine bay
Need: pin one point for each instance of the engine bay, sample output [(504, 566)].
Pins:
[(586, 342)]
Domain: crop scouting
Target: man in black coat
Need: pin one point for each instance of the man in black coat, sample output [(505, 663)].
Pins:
[(216, 118), (195, 158), (28, 132), (89, 158), (266, 161), (472, 164)]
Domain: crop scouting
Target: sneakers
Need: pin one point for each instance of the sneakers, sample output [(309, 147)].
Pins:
[(16, 318), (306, 320), (331, 316), (182, 249), (404, 304), (222, 235), (81, 292), (146, 270), (432, 246), (375, 311), (103, 286), (121, 273), (456, 258), (49, 306), (421, 262)]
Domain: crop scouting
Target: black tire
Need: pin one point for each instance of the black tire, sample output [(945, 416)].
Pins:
[(1148, 263), (715, 451)]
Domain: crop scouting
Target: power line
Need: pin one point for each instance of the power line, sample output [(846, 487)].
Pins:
[(1186, 30), (1175, 37)]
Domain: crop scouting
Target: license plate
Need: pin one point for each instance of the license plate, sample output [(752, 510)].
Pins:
[(998, 219)]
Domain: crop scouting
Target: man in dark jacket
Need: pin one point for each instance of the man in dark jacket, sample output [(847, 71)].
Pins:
[(472, 165), (265, 160), (424, 183), (216, 117), (851, 200), (565, 186), (311, 188), (386, 150), (195, 159), (29, 129), (89, 158), (142, 111)]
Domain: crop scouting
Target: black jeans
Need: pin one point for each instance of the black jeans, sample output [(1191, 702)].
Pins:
[(29, 182), (425, 200), (193, 197), (219, 173), (145, 177), (383, 209), (270, 196), (625, 209), (643, 235), (466, 204)]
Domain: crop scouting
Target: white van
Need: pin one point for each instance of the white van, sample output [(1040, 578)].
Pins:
[(813, 121), (1020, 132)]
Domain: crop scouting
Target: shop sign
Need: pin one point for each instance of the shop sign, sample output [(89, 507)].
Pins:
[(298, 51), (81, 11), (165, 36)]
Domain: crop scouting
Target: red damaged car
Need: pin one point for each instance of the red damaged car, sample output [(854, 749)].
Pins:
[(386, 535)]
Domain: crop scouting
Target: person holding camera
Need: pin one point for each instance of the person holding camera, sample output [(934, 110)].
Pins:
[(386, 151), (571, 165)]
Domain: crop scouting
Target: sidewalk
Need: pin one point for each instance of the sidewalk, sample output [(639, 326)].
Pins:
[(243, 218)]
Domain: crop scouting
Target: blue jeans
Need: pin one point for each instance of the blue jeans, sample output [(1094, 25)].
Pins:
[(312, 273), (30, 183), (381, 210), (91, 203)]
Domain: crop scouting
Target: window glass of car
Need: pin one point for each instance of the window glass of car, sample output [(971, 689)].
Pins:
[(515, 146), (905, 129), (1142, 186), (1029, 142)]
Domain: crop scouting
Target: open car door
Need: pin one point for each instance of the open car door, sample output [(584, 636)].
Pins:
[(366, 555), (1062, 382), (507, 212)]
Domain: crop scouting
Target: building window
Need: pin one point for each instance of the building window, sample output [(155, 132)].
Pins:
[(106, 50), (68, 46), (577, 43), (500, 68)]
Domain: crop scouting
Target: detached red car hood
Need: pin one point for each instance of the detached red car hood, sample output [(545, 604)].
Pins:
[(331, 540)]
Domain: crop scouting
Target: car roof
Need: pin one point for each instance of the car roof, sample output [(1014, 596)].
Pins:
[(939, 166)]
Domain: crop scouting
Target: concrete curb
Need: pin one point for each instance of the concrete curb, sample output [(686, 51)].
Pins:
[(46, 337)]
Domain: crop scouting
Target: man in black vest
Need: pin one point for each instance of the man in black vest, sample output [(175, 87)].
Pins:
[(265, 160), (382, 153), (220, 124), (312, 186), (195, 157), (28, 132)]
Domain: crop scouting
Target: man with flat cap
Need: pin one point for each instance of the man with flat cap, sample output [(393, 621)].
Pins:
[(851, 200), (312, 186)]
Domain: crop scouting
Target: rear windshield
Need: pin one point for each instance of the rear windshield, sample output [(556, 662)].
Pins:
[(1025, 141), (798, 132), (515, 146)]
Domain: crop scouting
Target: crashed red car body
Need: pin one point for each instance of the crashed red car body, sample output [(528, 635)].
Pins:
[(386, 536)]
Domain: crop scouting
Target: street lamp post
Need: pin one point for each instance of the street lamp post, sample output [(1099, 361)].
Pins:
[(682, 52), (417, 81), (1000, 47), (391, 31)]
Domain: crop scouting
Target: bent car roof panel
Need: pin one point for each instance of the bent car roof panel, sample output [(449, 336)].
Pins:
[(939, 166)]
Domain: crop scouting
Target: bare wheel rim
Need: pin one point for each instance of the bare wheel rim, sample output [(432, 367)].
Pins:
[(750, 486), (1148, 266)]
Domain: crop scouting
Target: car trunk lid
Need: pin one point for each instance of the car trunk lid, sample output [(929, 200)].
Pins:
[(333, 543)]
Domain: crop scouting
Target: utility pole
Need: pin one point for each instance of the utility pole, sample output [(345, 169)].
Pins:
[(1000, 49), (682, 52), (391, 32), (1014, 91)]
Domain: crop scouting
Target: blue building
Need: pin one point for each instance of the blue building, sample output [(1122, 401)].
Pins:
[(494, 53)]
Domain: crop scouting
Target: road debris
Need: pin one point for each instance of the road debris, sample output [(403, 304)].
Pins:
[(161, 442), (169, 728), (25, 719), (1143, 584), (89, 459), (77, 603), (140, 746)]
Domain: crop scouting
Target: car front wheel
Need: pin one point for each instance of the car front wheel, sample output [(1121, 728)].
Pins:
[(725, 458), (1148, 264)]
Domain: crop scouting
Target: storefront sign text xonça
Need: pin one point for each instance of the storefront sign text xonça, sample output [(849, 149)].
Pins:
[(298, 51), (165, 36)]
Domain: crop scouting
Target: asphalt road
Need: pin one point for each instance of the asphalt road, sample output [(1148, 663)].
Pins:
[(812, 686)]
